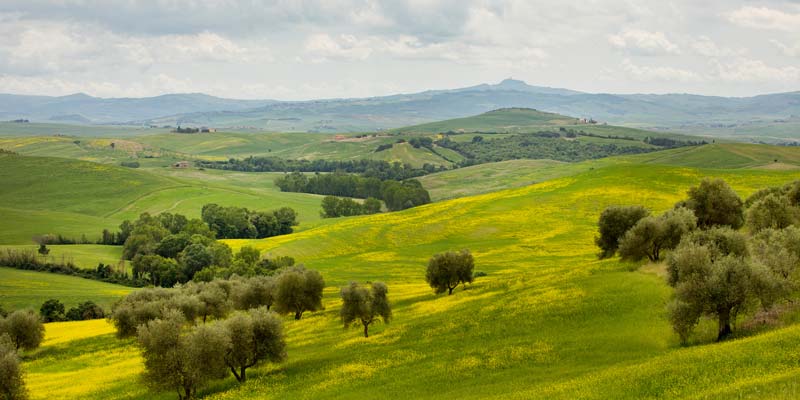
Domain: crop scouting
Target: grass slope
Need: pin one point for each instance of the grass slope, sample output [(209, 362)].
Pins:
[(85, 256), (549, 320), (502, 120), (29, 289), (61, 196), (727, 156)]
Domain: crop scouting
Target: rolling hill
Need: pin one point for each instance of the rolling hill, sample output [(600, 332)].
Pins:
[(74, 198), (547, 321)]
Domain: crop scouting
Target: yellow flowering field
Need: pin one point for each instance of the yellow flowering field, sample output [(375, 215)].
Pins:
[(547, 321)]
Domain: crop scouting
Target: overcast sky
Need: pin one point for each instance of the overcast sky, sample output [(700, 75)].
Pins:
[(296, 50)]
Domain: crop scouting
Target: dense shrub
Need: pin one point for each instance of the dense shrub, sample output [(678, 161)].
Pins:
[(614, 222)]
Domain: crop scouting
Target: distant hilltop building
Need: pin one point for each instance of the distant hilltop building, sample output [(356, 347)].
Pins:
[(181, 164), (586, 121)]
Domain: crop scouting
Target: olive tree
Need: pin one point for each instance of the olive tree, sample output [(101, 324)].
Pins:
[(365, 305), (715, 203), (448, 270), (12, 383), (255, 292), (254, 337), (772, 211), (612, 225), (24, 328), (298, 290), (651, 234), (712, 280), (179, 359)]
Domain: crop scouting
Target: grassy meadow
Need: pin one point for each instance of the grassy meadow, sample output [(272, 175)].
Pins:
[(548, 321), (62, 196), (29, 289)]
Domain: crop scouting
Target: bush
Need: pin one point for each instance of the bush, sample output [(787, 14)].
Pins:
[(24, 329), (52, 310), (85, 311), (715, 203), (614, 222), (12, 382), (651, 235), (772, 211)]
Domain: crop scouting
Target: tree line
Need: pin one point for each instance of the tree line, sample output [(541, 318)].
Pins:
[(333, 207), (368, 168), (535, 145), (396, 194), (717, 270)]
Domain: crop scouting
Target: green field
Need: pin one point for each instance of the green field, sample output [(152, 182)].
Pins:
[(549, 320), (60, 196), (28, 289), (85, 256)]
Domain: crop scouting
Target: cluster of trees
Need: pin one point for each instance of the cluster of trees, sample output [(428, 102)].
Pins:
[(240, 327), (396, 194), (534, 146), (368, 168), (20, 330), (26, 259), (184, 358), (241, 223), (717, 270), (195, 333), (295, 290), (668, 143), (53, 310), (333, 207), (169, 248)]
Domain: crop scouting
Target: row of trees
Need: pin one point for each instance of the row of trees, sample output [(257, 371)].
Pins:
[(295, 290), (535, 145), (53, 310), (241, 223), (717, 271), (396, 194), (27, 259), (382, 170), (333, 207)]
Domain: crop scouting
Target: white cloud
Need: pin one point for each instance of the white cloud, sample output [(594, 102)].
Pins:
[(323, 47), (659, 73), (787, 50), (704, 46), (747, 70), (643, 42), (765, 18)]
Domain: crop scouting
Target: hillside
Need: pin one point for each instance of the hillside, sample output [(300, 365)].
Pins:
[(548, 321), (74, 198), (29, 289), (502, 120), (728, 156)]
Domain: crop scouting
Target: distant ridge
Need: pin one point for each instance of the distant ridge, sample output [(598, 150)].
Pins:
[(387, 112)]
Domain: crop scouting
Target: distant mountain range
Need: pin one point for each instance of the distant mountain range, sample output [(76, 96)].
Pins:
[(386, 112)]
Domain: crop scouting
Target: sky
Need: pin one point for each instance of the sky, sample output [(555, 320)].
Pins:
[(299, 50)]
